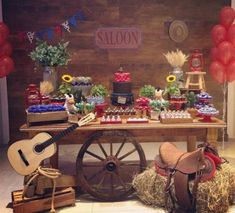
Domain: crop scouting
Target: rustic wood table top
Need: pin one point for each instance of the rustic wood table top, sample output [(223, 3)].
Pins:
[(95, 125)]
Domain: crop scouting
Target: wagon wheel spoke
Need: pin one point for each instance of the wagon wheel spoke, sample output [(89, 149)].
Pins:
[(121, 181), (94, 155), (96, 174), (120, 148), (125, 172), (111, 183), (102, 149), (127, 154), (101, 181), (91, 164)]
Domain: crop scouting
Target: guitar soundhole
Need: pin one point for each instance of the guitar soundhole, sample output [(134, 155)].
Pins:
[(38, 148)]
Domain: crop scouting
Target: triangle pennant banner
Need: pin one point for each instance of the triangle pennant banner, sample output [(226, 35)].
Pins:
[(30, 36), (80, 15), (66, 26), (73, 21), (40, 34), (51, 31), (58, 30)]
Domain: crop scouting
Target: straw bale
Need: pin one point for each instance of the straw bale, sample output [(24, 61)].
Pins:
[(212, 196)]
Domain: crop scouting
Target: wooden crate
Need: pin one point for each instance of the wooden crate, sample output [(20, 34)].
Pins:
[(65, 197), (46, 117), (176, 120)]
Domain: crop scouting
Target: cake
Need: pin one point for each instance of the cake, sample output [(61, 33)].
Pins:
[(122, 89)]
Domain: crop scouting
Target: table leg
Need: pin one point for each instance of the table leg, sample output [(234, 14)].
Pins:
[(54, 160), (212, 136), (191, 143)]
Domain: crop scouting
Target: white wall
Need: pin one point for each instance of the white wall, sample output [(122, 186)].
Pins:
[(4, 120), (231, 103)]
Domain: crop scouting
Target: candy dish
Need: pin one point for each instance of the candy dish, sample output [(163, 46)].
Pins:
[(110, 120), (204, 97), (207, 112)]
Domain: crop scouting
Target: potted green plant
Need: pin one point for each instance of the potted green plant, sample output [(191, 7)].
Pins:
[(191, 100), (50, 56), (156, 107), (98, 94), (64, 88), (147, 91)]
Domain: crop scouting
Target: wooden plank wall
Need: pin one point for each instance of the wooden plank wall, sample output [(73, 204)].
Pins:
[(146, 65)]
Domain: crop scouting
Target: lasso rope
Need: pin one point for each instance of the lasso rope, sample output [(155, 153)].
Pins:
[(49, 173)]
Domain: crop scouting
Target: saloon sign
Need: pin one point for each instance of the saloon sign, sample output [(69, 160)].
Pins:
[(118, 38)]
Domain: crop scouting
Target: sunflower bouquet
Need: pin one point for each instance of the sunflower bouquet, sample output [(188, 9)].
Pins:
[(172, 88)]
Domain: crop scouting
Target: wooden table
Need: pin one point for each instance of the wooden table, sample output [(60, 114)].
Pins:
[(142, 133), (146, 132)]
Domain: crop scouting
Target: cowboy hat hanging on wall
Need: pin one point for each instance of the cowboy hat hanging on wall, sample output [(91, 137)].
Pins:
[(178, 31)]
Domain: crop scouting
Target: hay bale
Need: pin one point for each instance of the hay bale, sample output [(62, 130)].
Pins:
[(213, 196)]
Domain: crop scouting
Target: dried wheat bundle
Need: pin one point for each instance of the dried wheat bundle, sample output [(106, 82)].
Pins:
[(176, 59), (46, 87)]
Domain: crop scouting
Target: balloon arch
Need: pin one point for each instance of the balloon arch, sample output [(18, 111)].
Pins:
[(6, 62), (222, 67)]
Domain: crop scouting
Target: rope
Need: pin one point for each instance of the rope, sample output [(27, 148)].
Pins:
[(49, 173)]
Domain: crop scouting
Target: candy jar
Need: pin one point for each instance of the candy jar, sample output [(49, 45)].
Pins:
[(32, 95)]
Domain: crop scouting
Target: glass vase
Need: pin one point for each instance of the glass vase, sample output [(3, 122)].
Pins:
[(178, 73), (50, 74)]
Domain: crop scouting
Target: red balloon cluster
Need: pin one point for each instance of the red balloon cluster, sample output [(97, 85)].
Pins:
[(6, 62), (222, 67)]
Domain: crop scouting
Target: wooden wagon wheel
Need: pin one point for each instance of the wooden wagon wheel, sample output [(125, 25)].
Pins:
[(105, 165)]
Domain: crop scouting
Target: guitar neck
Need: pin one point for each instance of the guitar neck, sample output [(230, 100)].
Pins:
[(59, 136)]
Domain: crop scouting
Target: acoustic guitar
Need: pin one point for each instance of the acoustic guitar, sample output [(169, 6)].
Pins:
[(26, 155)]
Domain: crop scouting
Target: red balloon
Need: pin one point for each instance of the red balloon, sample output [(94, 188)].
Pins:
[(5, 49), (231, 34), (6, 66), (214, 54), (4, 32), (218, 71), (226, 52), (231, 71), (226, 16), (4, 29), (218, 34), (2, 39)]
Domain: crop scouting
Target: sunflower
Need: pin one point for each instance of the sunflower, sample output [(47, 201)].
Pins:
[(171, 78), (67, 78)]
